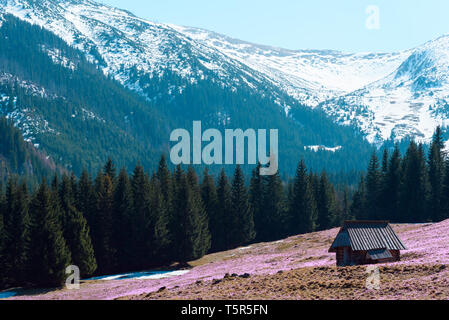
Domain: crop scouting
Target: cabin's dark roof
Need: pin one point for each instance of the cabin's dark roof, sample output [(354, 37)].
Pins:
[(367, 235), (342, 240), (379, 254)]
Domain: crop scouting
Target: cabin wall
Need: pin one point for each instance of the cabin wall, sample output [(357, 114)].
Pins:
[(396, 255), (340, 257), (353, 257), (359, 257)]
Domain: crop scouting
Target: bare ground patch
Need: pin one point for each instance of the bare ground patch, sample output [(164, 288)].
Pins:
[(397, 282)]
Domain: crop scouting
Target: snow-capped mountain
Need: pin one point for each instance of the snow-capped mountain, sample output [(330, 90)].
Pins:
[(311, 76), (385, 95), (411, 101), (123, 44)]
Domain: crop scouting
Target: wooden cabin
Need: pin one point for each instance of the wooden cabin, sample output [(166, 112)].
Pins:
[(366, 242)]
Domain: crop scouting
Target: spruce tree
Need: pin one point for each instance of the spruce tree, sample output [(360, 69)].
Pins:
[(274, 209), (256, 198), (18, 240), (436, 175), (241, 215), (414, 191), (445, 193), (158, 240), (2, 242), (383, 188), (359, 205), (314, 181), (122, 230), (210, 198), (165, 180), (392, 186), (346, 209), (85, 198), (109, 170), (76, 231), (326, 204), (373, 189), (220, 222), (103, 225), (302, 208), (190, 237), (140, 185), (385, 158), (11, 187), (173, 223), (49, 254), (202, 221)]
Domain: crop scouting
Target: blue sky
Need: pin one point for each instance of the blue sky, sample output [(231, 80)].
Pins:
[(311, 24)]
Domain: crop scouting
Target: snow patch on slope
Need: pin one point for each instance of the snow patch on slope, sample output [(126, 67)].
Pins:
[(323, 148), (384, 95)]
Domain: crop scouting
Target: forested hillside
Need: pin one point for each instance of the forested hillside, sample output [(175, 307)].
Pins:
[(63, 103), (18, 157)]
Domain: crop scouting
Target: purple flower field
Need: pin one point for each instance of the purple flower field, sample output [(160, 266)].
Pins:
[(428, 245)]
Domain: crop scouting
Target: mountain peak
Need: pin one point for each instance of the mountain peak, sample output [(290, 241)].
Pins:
[(385, 95)]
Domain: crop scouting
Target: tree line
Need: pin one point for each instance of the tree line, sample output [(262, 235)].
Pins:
[(119, 222), (408, 188)]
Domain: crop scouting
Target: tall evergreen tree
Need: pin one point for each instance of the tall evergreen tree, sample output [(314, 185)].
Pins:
[(314, 181), (385, 159), (165, 180), (436, 175), (204, 238), (18, 240), (220, 222), (326, 204), (383, 188), (103, 225), (274, 209), (190, 237), (122, 229), (109, 169), (2, 241), (49, 254), (11, 187), (241, 215), (373, 188), (302, 210), (209, 197), (346, 208), (85, 198), (445, 193), (262, 225), (358, 206), (140, 184), (392, 187), (76, 231), (158, 239), (414, 191)]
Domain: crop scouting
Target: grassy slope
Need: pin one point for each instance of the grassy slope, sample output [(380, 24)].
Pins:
[(305, 271), (295, 268)]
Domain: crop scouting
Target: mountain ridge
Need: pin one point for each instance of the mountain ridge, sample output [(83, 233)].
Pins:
[(344, 85)]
